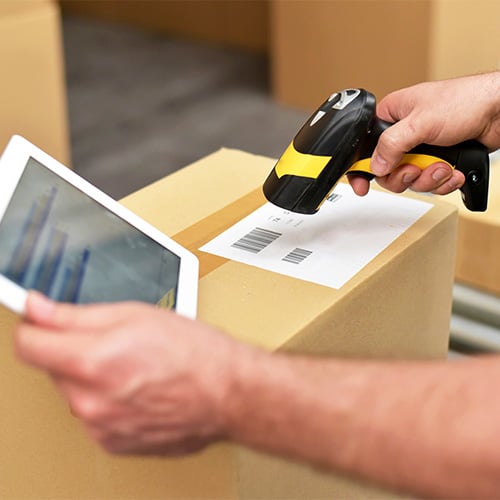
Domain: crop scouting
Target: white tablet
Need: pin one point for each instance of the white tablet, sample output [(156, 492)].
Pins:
[(67, 239)]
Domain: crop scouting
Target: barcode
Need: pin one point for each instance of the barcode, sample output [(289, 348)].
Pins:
[(333, 197), (256, 240), (297, 256)]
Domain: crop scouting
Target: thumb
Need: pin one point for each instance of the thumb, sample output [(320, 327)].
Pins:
[(40, 309), (46, 313), (393, 143)]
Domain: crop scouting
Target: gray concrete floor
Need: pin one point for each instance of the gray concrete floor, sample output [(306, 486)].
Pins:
[(142, 105)]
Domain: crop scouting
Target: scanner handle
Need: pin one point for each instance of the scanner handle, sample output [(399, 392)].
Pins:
[(470, 157)]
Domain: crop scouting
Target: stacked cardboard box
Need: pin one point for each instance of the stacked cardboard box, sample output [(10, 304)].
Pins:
[(32, 89)]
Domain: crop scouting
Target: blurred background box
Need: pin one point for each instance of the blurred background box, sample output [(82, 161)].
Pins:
[(321, 46), (32, 88)]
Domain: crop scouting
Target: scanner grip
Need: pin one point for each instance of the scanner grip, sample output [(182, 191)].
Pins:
[(470, 157)]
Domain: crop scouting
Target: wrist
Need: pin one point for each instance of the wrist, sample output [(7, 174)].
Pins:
[(245, 373), (491, 136)]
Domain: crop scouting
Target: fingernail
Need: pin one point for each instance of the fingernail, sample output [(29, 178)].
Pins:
[(454, 184), (379, 165), (441, 174), (410, 177)]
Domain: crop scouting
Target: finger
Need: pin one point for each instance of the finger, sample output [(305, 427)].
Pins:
[(60, 355), (393, 143), (359, 184), (60, 316), (401, 179), (432, 177), (455, 182)]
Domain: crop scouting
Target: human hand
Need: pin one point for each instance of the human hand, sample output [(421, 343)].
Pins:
[(440, 113), (141, 379)]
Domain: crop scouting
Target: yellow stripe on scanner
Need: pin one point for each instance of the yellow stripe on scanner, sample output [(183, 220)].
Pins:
[(419, 160), (302, 165)]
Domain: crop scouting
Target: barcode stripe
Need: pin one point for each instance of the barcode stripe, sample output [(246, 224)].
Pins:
[(256, 240), (333, 197), (297, 256)]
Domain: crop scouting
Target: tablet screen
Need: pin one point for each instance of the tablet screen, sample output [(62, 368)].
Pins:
[(59, 241)]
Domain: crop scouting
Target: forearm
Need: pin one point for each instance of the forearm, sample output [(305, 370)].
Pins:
[(429, 428)]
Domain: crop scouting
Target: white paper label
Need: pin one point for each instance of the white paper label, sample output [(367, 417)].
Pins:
[(327, 248)]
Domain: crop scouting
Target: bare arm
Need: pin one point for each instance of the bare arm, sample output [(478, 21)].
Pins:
[(147, 381), (429, 428)]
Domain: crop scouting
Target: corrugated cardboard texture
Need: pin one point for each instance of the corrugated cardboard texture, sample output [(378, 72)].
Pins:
[(479, 239), (398, 306), (32, 88)]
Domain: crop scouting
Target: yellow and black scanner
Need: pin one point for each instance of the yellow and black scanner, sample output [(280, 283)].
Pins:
[(340, 137)]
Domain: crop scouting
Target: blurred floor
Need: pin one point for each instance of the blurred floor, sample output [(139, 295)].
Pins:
[(141, 105)]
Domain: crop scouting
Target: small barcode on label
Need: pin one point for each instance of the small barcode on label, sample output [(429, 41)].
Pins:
[(256, 240), (333, 197), (297, 256)]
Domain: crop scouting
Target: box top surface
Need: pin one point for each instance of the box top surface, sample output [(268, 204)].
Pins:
[(196, 203)]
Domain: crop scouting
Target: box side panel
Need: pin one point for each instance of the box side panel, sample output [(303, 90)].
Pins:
[(402, 311), (397, 306), (477, 255), (321, 47), (46, 454)]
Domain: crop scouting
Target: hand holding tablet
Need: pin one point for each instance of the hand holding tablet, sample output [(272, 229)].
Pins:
[(65, 238)]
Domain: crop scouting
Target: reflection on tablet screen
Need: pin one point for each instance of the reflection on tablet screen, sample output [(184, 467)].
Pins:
[(59, 241)]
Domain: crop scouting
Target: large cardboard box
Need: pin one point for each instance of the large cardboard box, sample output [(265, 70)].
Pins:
[(318, 47), (478, 239), (32, 87), (398, 306)]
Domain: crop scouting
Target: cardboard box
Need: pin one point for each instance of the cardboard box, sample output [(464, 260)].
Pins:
[(32, 87), (323, 46), (396, 307), (478, 239)]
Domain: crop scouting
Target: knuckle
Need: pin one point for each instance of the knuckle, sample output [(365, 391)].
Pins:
[(390, 139), (391, 183)]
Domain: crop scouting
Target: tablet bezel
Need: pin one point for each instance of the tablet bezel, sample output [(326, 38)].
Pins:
[(12, 164)]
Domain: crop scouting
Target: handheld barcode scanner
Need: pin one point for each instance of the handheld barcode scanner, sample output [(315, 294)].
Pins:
[(340, 137)]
